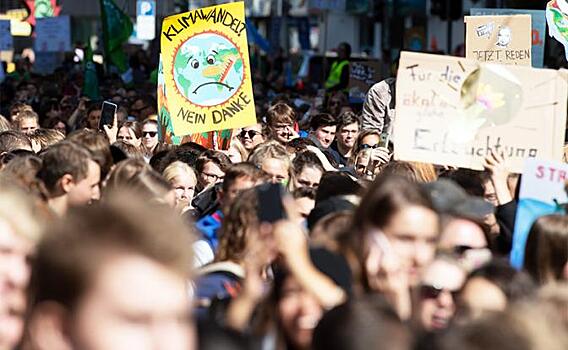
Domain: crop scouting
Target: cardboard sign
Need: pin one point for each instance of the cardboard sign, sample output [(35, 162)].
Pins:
[(362, 76), (206, 70), (6, 40), (538, 30), (499, 39), (453, 111), (53, 34), (542, 192)]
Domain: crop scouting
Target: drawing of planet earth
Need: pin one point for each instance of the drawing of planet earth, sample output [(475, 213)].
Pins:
[(208, 69)]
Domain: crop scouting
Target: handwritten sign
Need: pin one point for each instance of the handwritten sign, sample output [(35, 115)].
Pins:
[(53, 34), (499, 39), (453, 111), (538, 29), (542, 190), (206, 69), (362, 76), (6, 40)]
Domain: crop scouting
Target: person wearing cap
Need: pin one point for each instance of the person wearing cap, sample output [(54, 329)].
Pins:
[(463, 233)]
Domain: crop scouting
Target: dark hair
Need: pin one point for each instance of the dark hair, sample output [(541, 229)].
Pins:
[(304, 192), (347, 47), (299, 144), (546, 252), (187, 152), (220, 159), (514, 284), (335, 183), (12, 140), (347, 118), (307, 159), (238, 171), (472, 181), (385, 197), (61, 159), (360, 324), (322, 120)]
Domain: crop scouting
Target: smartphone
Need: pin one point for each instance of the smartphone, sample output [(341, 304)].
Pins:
[(270, 207), (107, 114)]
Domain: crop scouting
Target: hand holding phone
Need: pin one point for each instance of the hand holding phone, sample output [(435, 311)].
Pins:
[(107, 114)]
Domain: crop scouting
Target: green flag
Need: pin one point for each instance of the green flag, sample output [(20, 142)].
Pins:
[(90, 80), (117, 28)]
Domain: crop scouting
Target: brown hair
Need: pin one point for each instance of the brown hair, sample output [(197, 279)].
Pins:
[(61, 159), (12, 140), (220, 159), (73, 250), (17, 108), (238, 171), (546, 252), (413, 171), (98, 145), (24, 114), (239, 223), (280, 113), (129, 149), (46, 137), (134, 126)]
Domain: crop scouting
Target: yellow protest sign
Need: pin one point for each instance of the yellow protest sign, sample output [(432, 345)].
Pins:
[(206, 69), (499, 39), (454, 111)]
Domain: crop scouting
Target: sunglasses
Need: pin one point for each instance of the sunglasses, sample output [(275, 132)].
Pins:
[(367, 146), (433, 292), (151, 133), (251, 134)]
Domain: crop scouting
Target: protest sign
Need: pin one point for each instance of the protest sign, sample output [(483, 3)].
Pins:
[(6, 40), (557, 19), (206, 70), (538, 30), (453, 111), (499, 39), (211, 140), (542, 193), (362, 76), (53, 34)]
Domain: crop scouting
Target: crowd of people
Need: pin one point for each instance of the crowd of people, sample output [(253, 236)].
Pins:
[(110, 239)]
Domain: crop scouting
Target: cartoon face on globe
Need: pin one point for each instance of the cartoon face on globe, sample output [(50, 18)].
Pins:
[(208, 69)]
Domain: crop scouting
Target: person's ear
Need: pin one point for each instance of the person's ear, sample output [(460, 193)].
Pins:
[(48, 328), (67, 182)]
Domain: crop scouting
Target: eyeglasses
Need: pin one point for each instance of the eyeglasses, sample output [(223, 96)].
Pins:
[(367, 146), (213, 176), (149, 133), (251, 134), (433, 292)]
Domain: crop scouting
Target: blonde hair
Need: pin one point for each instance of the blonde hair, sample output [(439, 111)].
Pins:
[(235, 142), (4, 124), (177, 168), (17, 211)]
